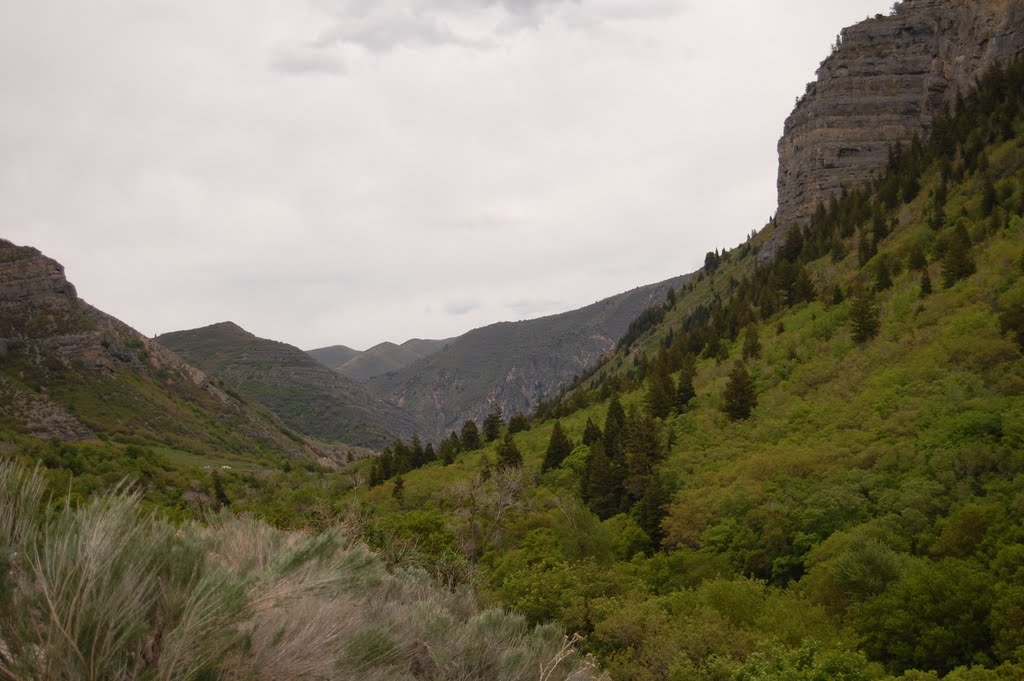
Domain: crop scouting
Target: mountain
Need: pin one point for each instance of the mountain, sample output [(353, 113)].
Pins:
[(333, 356), (380, 359), (512, 365), (305, 394), (71, 372), (886, 80)]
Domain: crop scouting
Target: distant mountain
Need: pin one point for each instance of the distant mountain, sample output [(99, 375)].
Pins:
[(386, 357), (512, 364), (71, 372), (333, 356), (304, 393)]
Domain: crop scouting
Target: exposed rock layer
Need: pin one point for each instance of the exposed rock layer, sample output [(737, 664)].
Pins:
[(887, 79)]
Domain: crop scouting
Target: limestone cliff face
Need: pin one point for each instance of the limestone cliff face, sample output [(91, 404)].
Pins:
[(886, 80)]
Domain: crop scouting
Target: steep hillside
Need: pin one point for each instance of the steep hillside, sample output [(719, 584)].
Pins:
[(804, 469), (334, 355), (513, 364), (886, 80), (308, 396), (71, 372)]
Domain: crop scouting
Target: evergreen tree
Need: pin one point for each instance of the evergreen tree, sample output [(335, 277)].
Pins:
[(470, 438), (751, 343), (684, 390), (603, 491), (837, 295), (449, 449), (417, 454), (926, 284), (518, 423), (508, 453), (883, 279), (958, 262), (492, 424), (614, 424), (660, 390), (403, 458), (559, 447), (865, 249), (591, 433), (864, 316), (429, 455), (916, 259), (653, 508), (740, 393), (398, 491)]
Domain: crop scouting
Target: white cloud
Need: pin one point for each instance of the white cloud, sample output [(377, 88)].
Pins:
[(191, 162)]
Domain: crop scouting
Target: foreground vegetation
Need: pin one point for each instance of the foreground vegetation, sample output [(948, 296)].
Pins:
[(107, 592)]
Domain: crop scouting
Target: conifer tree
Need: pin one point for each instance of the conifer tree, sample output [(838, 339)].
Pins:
[(926, 284), (740, 393), (470, 437), (429, 454), (684, 390), (591, 433), (492, 424), (958, 262), (660, 391), (518, 423), (559, 447), (883, 279), (417, 455), (916, 259), (614, 424), (398, 491), (864, 316), (751, 343), (508, 453), (653, 508), (603, 490)]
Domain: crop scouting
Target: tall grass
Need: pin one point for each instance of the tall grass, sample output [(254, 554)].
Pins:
[(106, 592)]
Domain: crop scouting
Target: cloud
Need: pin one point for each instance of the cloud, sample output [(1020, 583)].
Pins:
[(459, 308), (307, 62)]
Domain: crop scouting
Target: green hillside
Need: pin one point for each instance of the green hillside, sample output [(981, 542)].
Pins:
[(305, 394), (862, 521)]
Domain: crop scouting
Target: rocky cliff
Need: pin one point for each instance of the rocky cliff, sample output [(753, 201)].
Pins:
[(70, 371), (885, 81)]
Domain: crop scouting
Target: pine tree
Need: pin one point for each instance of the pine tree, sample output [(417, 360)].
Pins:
[(508, 453), (591, 433), (429, 455), (883, 279), (398, 491), (603, 490), (492, 425), (916, 259), (684, 390), (864, 316), (518, 423), (740, 393), (614, 423), (470, 438), (653, 508), (660, 391), (958, 262), (751, 343), (926, 284), (559, 447)]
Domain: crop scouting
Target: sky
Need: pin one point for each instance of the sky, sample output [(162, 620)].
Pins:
[(355, 171)]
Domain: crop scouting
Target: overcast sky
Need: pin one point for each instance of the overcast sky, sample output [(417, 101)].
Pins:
[(353, 171)]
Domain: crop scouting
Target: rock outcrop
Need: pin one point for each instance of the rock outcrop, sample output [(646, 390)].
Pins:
[(70, 371), (885, 81)]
